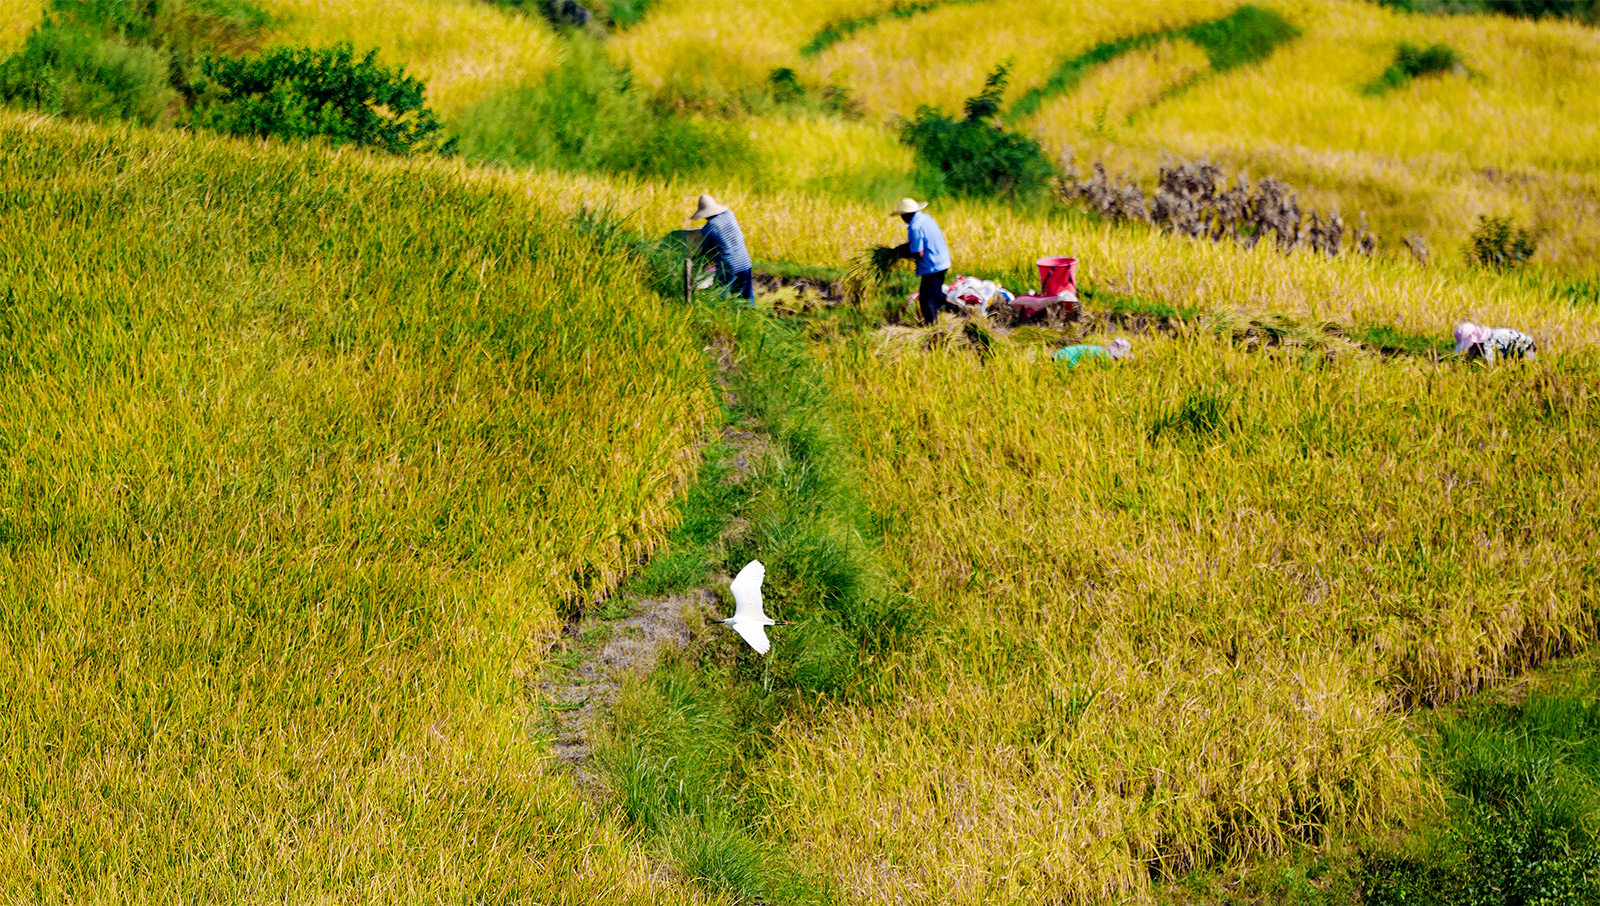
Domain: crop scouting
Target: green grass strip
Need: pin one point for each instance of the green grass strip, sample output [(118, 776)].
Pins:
[(1523, 781), (1246, 35), (840, 29), (686, 745)]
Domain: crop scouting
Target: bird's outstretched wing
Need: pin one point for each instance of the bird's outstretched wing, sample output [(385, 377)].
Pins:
[(755, 634), (746, 588)]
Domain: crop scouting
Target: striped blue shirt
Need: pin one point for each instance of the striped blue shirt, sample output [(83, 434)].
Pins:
[(925, 236), (727, 242)]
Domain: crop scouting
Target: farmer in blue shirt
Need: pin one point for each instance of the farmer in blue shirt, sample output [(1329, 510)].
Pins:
[(925, 244), (723, 237)]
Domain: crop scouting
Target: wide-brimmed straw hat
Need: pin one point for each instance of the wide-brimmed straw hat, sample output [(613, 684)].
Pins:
[(708, 208), (907, 206)]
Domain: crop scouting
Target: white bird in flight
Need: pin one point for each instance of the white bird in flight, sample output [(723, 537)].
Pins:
[(748, 619)]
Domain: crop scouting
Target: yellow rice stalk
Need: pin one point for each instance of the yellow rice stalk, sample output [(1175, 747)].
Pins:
[(20, 17)]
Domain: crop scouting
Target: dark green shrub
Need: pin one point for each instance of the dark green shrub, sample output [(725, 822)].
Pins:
[(163, 61), (1498, 243), (788, 91), (1411, 62), (974, 155), (329, 93)]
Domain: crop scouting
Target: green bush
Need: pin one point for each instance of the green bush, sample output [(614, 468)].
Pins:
[(587, 115), (1411, 62), (1498, 243), (70, 71), (328, 92), (156, 61), (974, 155), (114, 59)]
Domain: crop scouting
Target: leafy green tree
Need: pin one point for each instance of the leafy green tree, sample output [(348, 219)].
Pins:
[(975, 155)]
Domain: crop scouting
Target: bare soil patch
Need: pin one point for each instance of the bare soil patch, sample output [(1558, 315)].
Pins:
[(603, 652)]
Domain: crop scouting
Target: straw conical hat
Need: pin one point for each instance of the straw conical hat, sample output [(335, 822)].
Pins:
[(708, 208), (907, 206)]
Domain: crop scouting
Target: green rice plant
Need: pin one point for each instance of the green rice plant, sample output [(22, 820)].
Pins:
[(1386, 338), (1580, 10), (1201, 415), (1249, 35), (841, 29)]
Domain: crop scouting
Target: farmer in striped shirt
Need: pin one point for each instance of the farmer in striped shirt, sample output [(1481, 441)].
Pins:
[(723, 237)]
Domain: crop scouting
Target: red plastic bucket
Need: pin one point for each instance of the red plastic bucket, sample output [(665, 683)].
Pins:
[(1059, 276)]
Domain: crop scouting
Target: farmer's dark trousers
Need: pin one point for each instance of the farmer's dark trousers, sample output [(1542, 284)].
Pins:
[(740, 286), (930, 295)]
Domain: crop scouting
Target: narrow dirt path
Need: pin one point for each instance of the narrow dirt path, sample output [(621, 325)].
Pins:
[(584, 672)]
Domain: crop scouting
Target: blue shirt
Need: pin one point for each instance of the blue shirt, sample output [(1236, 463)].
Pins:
[(925, 236), (727, 242)]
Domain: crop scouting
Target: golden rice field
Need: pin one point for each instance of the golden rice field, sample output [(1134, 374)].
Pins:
[(1516, 135), (991, 238), (461, 49), (1155, 649), (1513, 136), (304, 451), (301, 452), (716, 47)]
